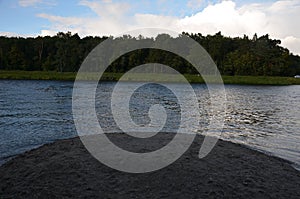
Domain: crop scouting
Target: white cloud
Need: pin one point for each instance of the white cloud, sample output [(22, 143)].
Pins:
[(213, 18), (154, 21), (13, 34), (111, 19), (292, 43), (27, 3), (279, 19), (194, 4), (106, 8)]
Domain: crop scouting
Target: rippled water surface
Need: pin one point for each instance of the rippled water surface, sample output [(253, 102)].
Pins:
[(33, 113)]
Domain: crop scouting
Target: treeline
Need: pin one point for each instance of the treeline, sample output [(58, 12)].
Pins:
[(64, 52)]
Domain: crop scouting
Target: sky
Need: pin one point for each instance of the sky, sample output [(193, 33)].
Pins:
[(279, 18)]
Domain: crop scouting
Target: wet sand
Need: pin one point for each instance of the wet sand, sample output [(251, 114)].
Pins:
[(65, 169)]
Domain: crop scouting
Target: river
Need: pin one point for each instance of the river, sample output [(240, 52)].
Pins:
[(33, 113)]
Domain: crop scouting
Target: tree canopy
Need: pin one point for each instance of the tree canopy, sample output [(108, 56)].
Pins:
[(65, 52)]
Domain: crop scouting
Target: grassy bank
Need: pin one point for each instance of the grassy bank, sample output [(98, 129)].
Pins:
[(37, 75), (70, 76)]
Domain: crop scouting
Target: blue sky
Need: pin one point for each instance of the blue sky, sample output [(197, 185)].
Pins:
[(279, 18), (21, 17)]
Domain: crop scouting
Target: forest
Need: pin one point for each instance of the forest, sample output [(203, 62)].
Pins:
[(64, 52)]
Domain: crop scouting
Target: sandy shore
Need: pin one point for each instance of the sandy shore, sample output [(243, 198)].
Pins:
[(65, 169)]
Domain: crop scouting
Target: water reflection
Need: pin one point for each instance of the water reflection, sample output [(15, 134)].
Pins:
[(265, 117), (33, 113)]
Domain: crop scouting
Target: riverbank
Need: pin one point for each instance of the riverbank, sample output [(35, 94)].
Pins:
[(70, 76), (65, 169)]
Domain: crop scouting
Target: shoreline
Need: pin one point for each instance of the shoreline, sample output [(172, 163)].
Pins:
[(252, 148), (70, 76), (65, 169)]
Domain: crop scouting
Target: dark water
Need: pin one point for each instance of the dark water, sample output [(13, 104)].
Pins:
[(33, 113)]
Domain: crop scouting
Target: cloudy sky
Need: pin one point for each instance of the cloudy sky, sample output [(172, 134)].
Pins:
[(279, 18)]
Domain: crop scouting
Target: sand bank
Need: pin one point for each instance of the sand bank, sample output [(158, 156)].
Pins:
[(65, 169)]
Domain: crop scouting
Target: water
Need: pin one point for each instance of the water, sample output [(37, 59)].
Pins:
[(33, 113)]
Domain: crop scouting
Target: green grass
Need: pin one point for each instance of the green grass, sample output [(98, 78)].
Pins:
[(37, 75), (261, 80), (70, 76)]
